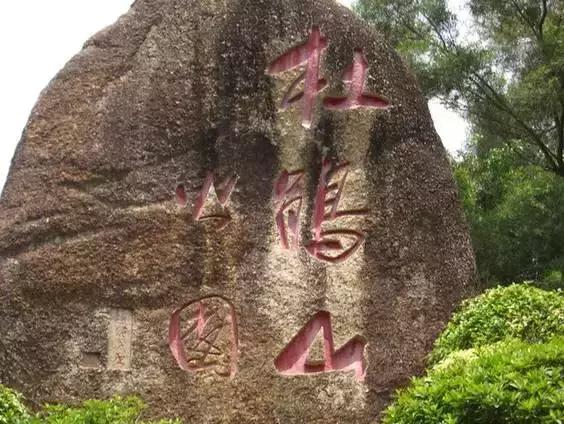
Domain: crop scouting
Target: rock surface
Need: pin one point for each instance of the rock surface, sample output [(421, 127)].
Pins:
[(106, 229)]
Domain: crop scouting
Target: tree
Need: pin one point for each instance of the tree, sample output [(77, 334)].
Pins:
[(516, 216), (507, 77)]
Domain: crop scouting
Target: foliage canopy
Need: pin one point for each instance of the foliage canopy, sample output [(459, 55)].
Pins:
[(505, 73), (516, 216)]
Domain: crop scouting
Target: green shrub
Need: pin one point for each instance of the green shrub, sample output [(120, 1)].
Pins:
[(553, 277), (12, 410), (552, 280), (517, 311), (508, 382), (114, 411)]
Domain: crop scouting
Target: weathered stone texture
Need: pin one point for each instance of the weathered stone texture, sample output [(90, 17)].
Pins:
[(90, 230)]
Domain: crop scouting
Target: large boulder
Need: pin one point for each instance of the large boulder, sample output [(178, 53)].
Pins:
[(239, 210)]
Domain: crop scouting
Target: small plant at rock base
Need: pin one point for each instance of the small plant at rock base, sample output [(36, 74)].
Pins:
[(117, 410), (12, 409)]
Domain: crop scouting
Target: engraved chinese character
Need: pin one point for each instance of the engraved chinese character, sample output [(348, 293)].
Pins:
[(288, 196), (309, 54), (293, 360), (355, 77), (223, 192), (203, 336), (327, 245)]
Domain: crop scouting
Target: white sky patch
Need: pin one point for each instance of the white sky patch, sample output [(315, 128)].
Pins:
[(38, 37), (450, 126)]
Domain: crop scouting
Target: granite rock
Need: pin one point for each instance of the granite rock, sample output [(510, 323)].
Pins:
[(151, 179)]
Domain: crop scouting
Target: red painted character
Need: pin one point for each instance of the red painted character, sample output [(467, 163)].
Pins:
[(288, 196), (203, 336), (293, 360), (355, 77), (309, 54), (223, 192), (326, 208)]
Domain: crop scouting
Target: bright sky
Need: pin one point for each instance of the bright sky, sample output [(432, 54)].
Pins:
[(37, 37)]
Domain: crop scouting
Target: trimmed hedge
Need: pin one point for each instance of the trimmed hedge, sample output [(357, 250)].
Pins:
[(508, 382), (517, 311)]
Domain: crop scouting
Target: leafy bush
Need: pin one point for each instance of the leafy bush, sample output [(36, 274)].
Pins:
[(518, 311), (12, 410), (114, 411), (552, 279), (508, 382)]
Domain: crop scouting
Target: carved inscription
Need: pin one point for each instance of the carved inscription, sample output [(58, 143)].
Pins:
[(288, 196), (337, 245), (355, 78), (119, 340), (327, 245), (203, 336), (222, 190), (203, 333), (309, 54), (293, 360)]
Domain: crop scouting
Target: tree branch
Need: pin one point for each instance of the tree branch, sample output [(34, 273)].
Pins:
[(542, 19), (560, 132), (524, 17), (524, 158), (509, 142), (436, 30), (549, 155), (413, 30)]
